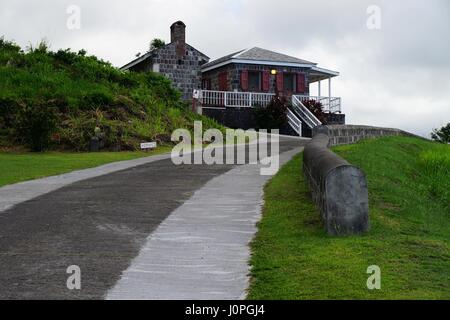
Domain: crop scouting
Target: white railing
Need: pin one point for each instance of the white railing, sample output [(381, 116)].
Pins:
[(331, 105), (305, 114), (294, 122), (210, 98), (233, 99), (253, 99)]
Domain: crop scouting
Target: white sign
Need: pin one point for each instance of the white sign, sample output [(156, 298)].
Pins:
[(148, 145), (196, 94)]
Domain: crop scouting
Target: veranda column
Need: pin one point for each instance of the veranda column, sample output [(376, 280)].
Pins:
[(319, 90), (329, 93)]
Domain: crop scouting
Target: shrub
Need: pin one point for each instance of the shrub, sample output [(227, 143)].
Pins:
[(442, 135), (316, 108), (76, 131), (162, 88), (97, 99), (64, 56), (6, 45), (8, 50), (8, 110), (436, 168), (273, 116), (36, 125)]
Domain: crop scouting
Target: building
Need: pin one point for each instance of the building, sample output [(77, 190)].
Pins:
[(177, 60), (250, 70), (236, 83), (227, 89)]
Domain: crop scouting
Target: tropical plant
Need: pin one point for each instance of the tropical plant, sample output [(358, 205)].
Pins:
[(316, 108), (156, 44)]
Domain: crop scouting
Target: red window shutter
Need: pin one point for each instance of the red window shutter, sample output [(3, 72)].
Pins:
[(265, 81), (301, 82), (223, 81), (220, 81), (244, 80), (280, 81)]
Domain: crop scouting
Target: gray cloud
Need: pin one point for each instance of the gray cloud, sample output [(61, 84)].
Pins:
[(396, 76)]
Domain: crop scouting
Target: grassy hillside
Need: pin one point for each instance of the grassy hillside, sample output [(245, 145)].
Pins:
[(409, 184), (59, 100)]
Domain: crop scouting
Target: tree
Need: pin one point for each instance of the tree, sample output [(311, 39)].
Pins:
[(442, 135), (156, 44)]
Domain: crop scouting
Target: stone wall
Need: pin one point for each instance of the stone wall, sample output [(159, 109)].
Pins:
[(332, 119), (338, 189), (182, 70), (235, 118), (347, 134), (234, 75), (243, 118), (335, 118), (239, 118)]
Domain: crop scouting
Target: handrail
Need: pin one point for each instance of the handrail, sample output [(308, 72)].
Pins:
[(330, 104), (253, 99), (234, 99), (294, 122), (307, 116)]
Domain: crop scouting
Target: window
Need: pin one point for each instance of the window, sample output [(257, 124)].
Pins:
[(289, 82), (254, 81)]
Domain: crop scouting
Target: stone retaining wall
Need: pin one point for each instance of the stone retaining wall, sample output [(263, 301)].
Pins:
[(235, 118), (338, 189), (347, 134)]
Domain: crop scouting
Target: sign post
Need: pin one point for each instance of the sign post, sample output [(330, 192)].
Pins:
[(148, 145)]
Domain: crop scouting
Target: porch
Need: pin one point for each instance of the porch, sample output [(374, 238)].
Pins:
[(235, 109), (223, 99)]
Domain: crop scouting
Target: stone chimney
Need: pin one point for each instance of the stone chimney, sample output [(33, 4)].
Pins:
[(178, 35)]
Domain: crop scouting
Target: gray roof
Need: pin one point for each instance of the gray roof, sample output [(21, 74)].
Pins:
[(258, 54), (220, 60)]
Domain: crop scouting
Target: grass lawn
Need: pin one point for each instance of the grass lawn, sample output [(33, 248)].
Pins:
[(17, 167), (409, 184)]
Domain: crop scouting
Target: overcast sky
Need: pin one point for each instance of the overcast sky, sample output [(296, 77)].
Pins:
[(395, 76)]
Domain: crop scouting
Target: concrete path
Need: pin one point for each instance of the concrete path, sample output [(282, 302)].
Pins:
[(102, 221), (201, 251)]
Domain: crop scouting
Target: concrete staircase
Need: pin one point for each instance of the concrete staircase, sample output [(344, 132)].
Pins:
[(301, 120)]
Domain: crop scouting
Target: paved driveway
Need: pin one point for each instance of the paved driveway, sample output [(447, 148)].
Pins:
[(103, 225)]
